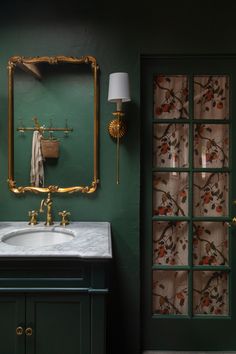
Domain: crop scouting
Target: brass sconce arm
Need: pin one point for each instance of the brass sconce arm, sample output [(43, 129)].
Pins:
[(118, 93)]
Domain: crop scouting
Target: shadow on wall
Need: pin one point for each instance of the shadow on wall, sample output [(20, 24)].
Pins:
[(185, 352)]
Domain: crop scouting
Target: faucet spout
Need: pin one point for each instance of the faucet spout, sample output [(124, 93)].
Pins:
[(41, 206), (47, 202)]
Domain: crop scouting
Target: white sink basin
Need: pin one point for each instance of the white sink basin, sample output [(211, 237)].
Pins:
[(38, 237), (83, 240)]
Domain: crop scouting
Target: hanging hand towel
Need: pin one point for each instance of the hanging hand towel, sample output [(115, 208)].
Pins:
[(37, 171)]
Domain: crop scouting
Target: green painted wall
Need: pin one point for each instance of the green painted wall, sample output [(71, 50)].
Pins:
[(116, 37)]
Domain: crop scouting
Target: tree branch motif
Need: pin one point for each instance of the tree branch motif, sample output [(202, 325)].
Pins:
[(212, 147), (171, 147), (170, 198), (212, 194), (207, 183), (211, 249), (168, 105), (163, 234), (211, 97), (171, 302), (212, 298), (204, 86), (170, 248), (165, 133)]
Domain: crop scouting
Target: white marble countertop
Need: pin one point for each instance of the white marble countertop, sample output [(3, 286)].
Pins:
[(91, 240)]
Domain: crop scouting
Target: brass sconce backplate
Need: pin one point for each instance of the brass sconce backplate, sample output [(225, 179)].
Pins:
[(117, 127)]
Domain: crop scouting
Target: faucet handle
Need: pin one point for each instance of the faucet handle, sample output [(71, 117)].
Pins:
[(33, 217), (64, 217)]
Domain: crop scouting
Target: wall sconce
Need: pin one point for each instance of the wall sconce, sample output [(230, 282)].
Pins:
[(118, 93)]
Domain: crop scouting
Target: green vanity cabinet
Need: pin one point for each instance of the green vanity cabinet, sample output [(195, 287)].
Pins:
[(53, 307), (46, 324), (12, 315)]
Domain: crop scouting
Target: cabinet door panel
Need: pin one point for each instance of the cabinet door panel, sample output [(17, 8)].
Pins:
[(98, 324), (12, 315), (60, 324)]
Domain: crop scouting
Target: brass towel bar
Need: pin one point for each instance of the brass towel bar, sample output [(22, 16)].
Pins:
[(23, 129), (42, 129)]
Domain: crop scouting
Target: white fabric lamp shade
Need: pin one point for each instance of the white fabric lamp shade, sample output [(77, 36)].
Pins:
[(119, 88)]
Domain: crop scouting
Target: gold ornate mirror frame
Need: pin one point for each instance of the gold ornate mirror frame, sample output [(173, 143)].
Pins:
[(29, 64)]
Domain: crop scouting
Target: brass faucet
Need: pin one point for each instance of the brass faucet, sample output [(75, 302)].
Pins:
[(48, 203), (33, 217), (64, 217)]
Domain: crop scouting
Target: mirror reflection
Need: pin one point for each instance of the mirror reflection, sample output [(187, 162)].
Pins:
[(53, 136)]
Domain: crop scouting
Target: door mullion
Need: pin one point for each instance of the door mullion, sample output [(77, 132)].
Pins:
[(190, 239)]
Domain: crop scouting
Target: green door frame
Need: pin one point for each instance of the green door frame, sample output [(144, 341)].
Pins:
[(185, 332)]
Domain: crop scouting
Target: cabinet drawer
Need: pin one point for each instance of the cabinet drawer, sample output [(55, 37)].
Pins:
[(45, 274)]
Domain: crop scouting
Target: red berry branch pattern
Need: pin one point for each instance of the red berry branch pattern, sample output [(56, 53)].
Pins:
[(170, 194), (210, 293), (171, 96), (170, 292), (210, 243), (170, 145), (211, 145), (170, 242), (211, 97), (210, 194)]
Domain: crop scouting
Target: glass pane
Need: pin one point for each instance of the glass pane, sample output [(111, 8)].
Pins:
[(210, 243), (211, 145), (210, 195), (170, 193), (170, 242), (171, 96), (170, 292), (211, 97), (210, 293), (170, 145)]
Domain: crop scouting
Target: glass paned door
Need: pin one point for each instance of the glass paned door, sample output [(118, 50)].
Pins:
[(188, 283)]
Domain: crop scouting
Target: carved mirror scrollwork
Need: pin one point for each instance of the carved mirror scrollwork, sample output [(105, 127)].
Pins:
[(80, 151)]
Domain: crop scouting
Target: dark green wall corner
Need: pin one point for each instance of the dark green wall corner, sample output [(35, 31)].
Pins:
[(56, 28)]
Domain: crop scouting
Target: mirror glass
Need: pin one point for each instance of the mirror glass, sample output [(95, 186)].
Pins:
[(58, 100)]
